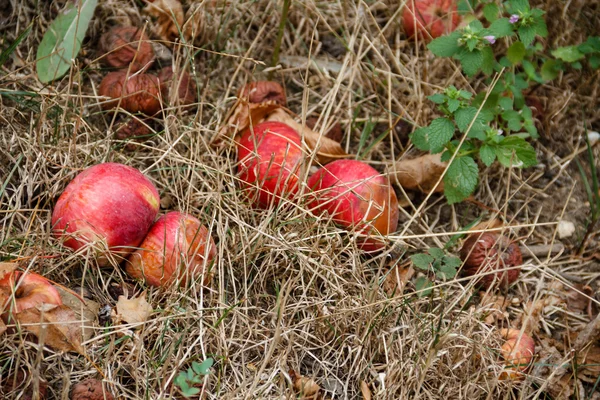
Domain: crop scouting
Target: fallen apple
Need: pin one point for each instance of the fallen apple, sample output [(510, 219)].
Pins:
[(270, 157), (430, 17), (109, 208), (177, 248), (27, 290), (356, 197)]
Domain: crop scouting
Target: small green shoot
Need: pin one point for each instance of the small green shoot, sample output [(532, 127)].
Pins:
[(188, 380)]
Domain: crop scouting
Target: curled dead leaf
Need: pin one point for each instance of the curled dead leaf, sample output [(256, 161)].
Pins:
[(365, 391), (396, 279), (307, 388), (494, 306), (85, 311), (56, 326), (244, 114), (420, 173), (169, 18), (133, 311)]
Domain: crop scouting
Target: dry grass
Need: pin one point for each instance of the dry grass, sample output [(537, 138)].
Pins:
[(290, 290)]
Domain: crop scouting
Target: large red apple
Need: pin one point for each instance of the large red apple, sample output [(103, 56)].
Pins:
[(356, 197), (178, 247), (106, 207), (27, 290), (270, 156), (430, 17)]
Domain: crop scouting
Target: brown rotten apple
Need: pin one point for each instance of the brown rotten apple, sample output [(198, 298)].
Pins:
[(430, 17), (493, 256), (262, 91), (270, 157), (186, 87), (27, 290), (177, 248), (133, 93), (517, 351), (356, 197), (126, 45), (108, 206)]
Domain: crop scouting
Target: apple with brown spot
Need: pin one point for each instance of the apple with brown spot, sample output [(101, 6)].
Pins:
[(27, 290), (177, 248), (270, 158), (356, 197), (430, 17), (108, 207)]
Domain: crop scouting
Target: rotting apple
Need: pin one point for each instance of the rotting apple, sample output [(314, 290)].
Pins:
[(430, 17), (518, 351), (27, 290), (109, 208), (356, 197), (131, 92), (270, 158), (177, 248)]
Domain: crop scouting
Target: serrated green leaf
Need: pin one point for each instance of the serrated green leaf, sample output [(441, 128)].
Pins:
[(453, 105), (471, 61), (441, 131), (591, 45), (518, 6), (501, 28), (516, 52), (62, 41), (422, 286), (445, 272), (452, 261), (205, 366), (491, 11), (422, 261), (550, 69), (489, 61), (513, 120), (460, 179), (531, 129), (446, 156), (506, 103), (516, 152), (445, 46), (464, 116), (465, 94), (420, 138), (472, 43), (436, 253), (487, 155), (539, 26), (476, 26), (527, 34), (568, 53), (437, 98)]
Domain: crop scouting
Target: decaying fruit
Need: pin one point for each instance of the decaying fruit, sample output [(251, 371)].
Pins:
[(133, 93), (90, 389), (29, 289), (261, 91), (430, 17), (122, 46), (270, 157), (356, 197), (186, 87), (492, 256), (177, 248), (518, 351)]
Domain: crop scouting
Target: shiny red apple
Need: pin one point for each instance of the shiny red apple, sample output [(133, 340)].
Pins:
[(356, 197), (27, 290), (178, 247), (430, 17), (270, 157), (106, 207)]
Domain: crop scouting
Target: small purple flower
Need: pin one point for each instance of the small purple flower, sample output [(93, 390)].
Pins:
[(490, 38), (513, 18)]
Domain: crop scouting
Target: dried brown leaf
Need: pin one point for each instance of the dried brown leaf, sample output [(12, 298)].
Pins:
[(56, 326), (244, 114), (420, 173), (396, 280), (579, 298), (494, 305), (6, 268), (2, 327), (85, 310), (364, 389), (134, 310), (326, 149), (169, 18), (489, 224), (306, 387)]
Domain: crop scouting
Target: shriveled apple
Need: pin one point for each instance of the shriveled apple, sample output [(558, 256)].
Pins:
[(178, 248), (27, 290), (270, 157), (356, 197), (430, 17), (108, 207)]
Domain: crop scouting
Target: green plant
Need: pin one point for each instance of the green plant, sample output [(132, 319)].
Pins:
[(592, 188), (435, 263), (187, 380)]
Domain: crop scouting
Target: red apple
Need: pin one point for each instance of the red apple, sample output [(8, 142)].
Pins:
[(175, 248), (270, 157), (431, 17), (356, 197), (29, 289), (108, 207)]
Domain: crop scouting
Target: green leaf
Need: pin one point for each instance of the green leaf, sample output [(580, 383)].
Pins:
[(595, 61), (489, 61), (10, 49), (539, 25), (62, 41), (506, 103), (453, 105), (591, 45), (465, 94), (437, 98), (516, 152), (420, 138), (501, 28), (445, 46), (460, 179), (422, 261), (487, 154), (550, 69), (452, 261), (471, 61), (205, 366), (441, 131), (436, 253), (464, 116), (568, 53), (476, 26), (527, 34), (491, 11), (519, 6), (516, 52), (512, 119), (445, 272), (423, 285)]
